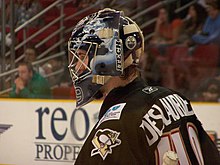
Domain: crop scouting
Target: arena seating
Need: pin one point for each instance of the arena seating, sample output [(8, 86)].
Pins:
[(60, 92)]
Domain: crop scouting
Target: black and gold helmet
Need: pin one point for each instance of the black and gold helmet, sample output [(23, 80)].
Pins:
[(102, 45)]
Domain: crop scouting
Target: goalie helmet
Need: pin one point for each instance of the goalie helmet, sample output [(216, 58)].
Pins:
[(102, 45)]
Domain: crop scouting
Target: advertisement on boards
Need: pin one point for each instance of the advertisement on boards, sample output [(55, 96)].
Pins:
[(43, 132), (49, 132)]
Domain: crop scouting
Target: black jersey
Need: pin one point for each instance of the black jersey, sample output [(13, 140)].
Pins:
[(139, 123)]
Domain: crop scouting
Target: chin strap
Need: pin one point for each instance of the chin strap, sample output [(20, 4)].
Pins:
[(98, 79), (130, 60)]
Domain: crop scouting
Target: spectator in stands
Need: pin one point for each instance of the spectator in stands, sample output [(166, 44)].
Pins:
[(167, 30), (8, 40), (26, 10), (211, 29), (193, 22), (30, 54), (29, 83), (45, 69), (50, 67), (209, 91)]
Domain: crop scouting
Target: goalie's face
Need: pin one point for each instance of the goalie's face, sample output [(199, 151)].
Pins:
[(81, 57), (81, 67), (78, 63), (80, 60)]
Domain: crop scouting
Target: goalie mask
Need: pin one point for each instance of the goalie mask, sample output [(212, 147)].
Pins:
[(102, 45)]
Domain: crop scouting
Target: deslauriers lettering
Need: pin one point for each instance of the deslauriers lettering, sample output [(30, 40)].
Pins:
[(155, 120)]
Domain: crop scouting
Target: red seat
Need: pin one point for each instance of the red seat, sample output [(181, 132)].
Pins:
[(71, 23), (177, 55), (53, 12), (205, 61), (49, 18), (51, 15), (45, 3), (49, 31), (29, 32), (61, 92), (206, 55), (70, 10)]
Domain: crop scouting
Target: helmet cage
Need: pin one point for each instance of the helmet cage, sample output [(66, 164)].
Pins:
[(80, 63)]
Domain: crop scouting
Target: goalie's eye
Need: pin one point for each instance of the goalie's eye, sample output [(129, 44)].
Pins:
[(81, 55), (82, 62)]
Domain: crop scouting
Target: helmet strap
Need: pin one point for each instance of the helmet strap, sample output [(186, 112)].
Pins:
[(133, 58), (98, 79), (129, 60)]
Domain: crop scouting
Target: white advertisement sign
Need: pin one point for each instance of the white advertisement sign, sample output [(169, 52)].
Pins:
[(43, 132), (49, 132), (208, 114)]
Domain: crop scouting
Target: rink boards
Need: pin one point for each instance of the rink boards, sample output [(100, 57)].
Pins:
[(46, 132)]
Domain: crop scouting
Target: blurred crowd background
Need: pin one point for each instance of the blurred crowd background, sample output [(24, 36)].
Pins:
[(182, 45)]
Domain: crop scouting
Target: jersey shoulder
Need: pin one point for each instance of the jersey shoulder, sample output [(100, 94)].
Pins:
[(152, 93), (144, 97)]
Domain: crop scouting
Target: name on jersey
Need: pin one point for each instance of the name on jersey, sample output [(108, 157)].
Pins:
[(155, 119), (113, 113)]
